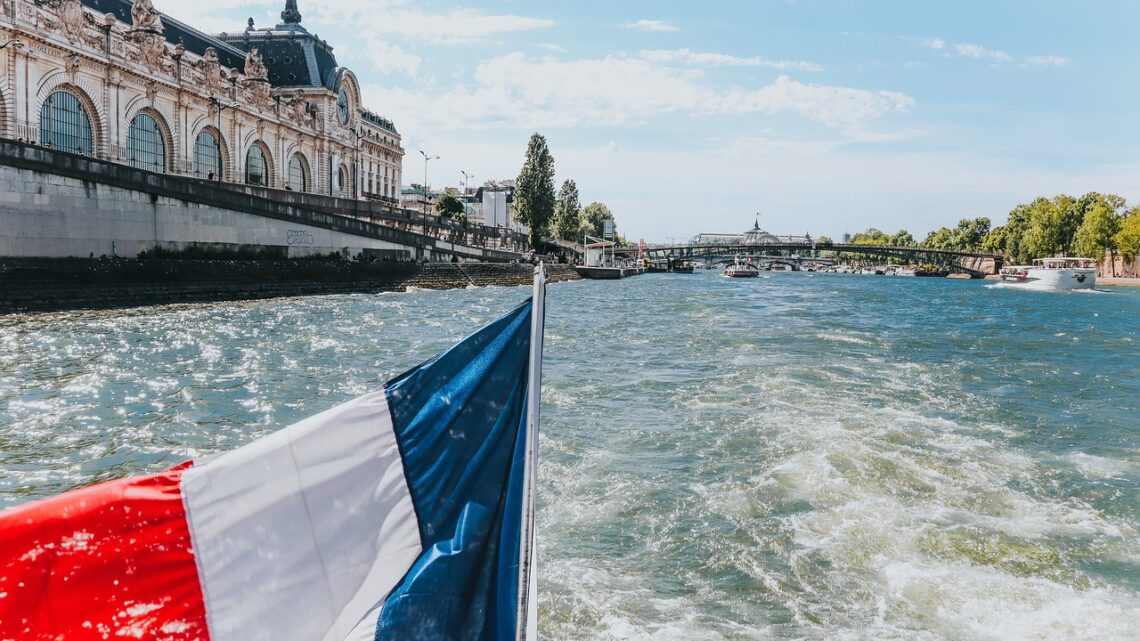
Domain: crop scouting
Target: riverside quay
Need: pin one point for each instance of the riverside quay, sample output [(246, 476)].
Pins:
[(126, 132)]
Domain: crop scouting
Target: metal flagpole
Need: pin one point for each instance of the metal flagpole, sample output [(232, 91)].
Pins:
[(527, 616)]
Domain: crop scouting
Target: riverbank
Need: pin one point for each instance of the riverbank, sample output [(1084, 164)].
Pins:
[(37, 285)]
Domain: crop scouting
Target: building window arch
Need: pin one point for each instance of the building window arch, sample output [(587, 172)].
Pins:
[(342, 181), (209, 155), (146, 143), (258, 166), (65, 124), (299, 173)]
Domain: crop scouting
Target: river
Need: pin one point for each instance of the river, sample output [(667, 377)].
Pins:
[(801, 456)]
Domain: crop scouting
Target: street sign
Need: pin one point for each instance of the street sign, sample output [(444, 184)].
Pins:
[(609, 229)]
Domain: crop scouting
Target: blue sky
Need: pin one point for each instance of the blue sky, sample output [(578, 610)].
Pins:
[(685, 117)]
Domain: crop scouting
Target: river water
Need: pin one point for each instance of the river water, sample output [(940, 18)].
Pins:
[(802, 456)]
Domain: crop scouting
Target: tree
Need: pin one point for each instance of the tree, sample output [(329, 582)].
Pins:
[(970, 233), (1009, 239), (871, 237), (534, 190), (1127, 240), (1044, 235), (448, 206), (594, 218), (1097, 231), (567, 212), (902, 238), (940, 239)]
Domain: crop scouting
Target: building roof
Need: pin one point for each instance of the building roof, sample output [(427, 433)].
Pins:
[(293, 57), (177, 33)]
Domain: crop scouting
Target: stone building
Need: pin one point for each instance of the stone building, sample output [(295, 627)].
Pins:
[(119, 81)]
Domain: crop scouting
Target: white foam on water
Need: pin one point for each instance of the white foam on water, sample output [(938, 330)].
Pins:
[(1100, 467)]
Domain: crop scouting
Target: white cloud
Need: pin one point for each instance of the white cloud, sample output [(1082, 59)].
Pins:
[(388, 59), (688, 57), (1048, 61), (651, 25), (457, 26), (978, 51), (515, 91)]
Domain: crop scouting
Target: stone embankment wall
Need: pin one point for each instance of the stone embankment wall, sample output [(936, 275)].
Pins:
[(1114, 266), (984, 265), (59, 205), (59, 284)]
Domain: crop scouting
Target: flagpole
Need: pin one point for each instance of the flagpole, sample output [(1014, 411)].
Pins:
[(527, 615)]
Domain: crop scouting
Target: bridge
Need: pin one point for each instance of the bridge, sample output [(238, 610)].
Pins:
[(800, 255)]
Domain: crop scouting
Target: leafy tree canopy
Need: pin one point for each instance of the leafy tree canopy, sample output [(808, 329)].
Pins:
[(567, 212), (594, 218), (534, 190), (448, 206), (1128, 238)]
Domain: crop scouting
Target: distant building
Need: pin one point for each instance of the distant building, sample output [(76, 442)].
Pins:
[(496, 201), (754, 236), (119, 81)]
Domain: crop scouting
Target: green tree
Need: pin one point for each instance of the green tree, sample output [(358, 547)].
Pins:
[(594, 218), (567, 212), (534, 190), (1127, 240), (902, 238), (823, 240), (970, 234), (448, 206), (1009, 239), (1044, 235), (1097, 232), (871, 237), (940, 239)]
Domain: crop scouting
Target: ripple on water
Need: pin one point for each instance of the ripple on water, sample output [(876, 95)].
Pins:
[(795, 458)]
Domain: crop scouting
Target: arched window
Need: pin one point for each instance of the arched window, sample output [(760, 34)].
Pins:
[(298, 173), (256, 167), (207, 156), (65, 125), (145, 147), (342, 181)]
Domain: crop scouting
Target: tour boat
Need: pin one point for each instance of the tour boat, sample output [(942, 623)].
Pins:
[(741, 269), (1061, 273)]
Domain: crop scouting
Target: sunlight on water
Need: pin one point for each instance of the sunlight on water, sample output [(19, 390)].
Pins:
[(827, 457)]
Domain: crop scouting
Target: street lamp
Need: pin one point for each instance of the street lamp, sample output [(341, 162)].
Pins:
[(14, 42), (426, 159)]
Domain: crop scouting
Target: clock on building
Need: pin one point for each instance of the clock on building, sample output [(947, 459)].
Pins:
[(342, 106)]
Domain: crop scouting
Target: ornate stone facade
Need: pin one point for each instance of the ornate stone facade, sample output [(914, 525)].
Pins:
[(117, 80)]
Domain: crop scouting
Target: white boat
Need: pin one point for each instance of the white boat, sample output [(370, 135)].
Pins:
[(1061, 273), (742, 269)]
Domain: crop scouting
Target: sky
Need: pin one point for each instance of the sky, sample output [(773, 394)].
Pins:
[(821, 116)]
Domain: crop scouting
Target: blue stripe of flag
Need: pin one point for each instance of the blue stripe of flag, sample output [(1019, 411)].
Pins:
[(460, 422)]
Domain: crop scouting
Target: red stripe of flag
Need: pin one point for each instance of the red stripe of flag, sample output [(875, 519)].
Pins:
[(111, 561)]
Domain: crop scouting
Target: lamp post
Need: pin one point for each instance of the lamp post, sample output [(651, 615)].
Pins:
[(426, 159), (15, 43), (466, 177)]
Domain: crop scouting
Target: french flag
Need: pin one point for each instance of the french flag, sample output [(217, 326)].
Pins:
[(407, 513)]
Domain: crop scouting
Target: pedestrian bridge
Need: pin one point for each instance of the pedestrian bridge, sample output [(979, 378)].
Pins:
[(800, 255)]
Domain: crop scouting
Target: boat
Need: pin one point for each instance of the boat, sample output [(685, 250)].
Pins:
[(1061, 273), (741, 269)]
